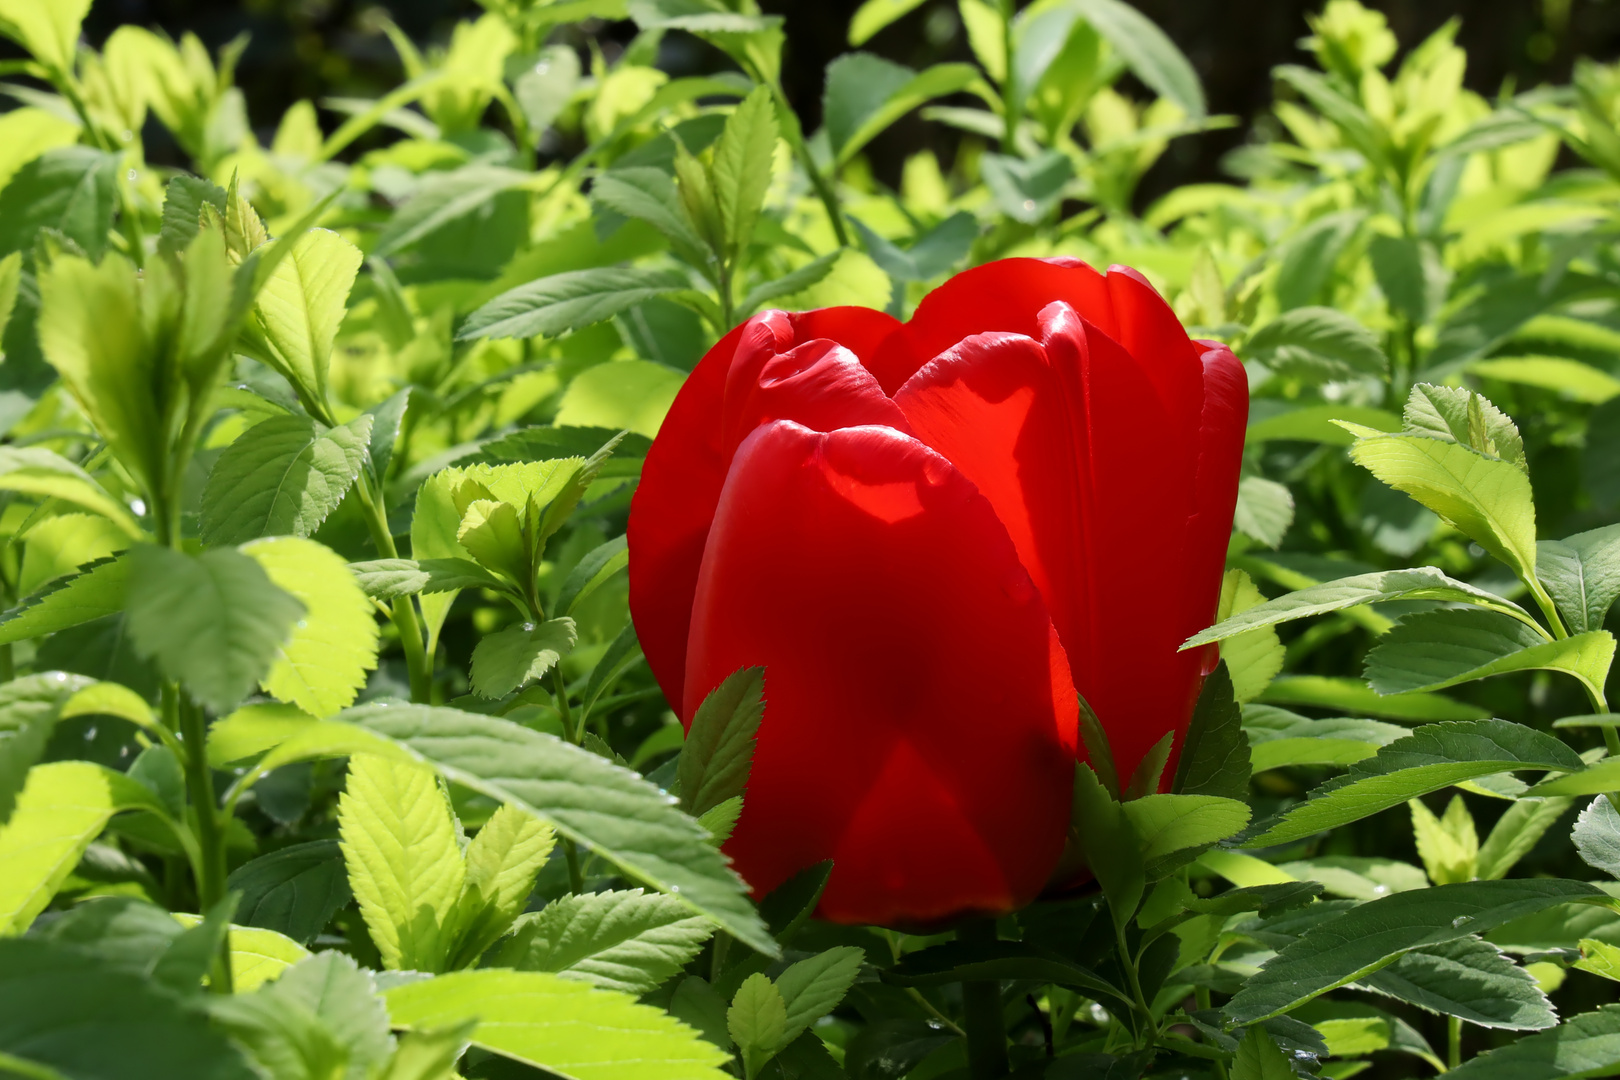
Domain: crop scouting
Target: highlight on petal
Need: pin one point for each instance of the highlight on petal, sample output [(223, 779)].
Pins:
[(920, 719)]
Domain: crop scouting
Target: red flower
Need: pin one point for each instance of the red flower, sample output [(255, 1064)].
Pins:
[(930, 534)]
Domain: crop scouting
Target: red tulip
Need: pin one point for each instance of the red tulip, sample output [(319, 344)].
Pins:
[(930, 534)]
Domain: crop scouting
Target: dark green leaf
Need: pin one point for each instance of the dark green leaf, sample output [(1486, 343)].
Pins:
[(598, 567), (792, 282), (1432, 757), (213, 621), (719, 750), (183, 201), (508, 659), (1470, 979), (1597, 836), (28, 711), (1260, 1058), (1410, 274), (649, 194), (1582, 572), (865, 94), (960, 961), (1353, 945), (628, 941), (294, 891), (1215, 756), (385, 422), (1600, 463), (72, 189), (1436, 649), (1148, 52), (1309, 258), (443, 197), (1319, 344), (282, 477), (568, 301), (1583, 1046), (1027, 190)]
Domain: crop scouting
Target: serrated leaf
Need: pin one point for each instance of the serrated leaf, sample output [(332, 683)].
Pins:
[(1469, 979), (1252, 658), (1260, 1058), (1358, 877), (1420, 583), (573, 300), (1448, 846), (628, 941), (757, 1021), (98, 590), (1410, 274), (405, 866), (294, 891), (1352, 945), (444, 197), (742, 166), (1516, 833), (1317, 342), (1432, 757), (282, 477), (62, 807), (508, 659), (322, 1011), (1460, 415), (622, 818), (1487, 499), (811, 273), (1597, 836), (648, 193), (1102, 837), (812, 988), (29, 708), (502, 861), (1582, 574), (559, 1025), (323, 665), (301, 306), (215, 622), (183, 200), (34, 470), (1279, 738), (72, 189), (599, 566), (1172, 829), (1583, 1046), (1436, 649), (719, 749), (1215, 756)]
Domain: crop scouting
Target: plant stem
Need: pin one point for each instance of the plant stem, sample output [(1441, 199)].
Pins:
[(1453, 1042), (983, 1019), (576, 878), (1128, 962), (559, 692), (1009, 89), (210, 829), (417, 662), (823, 185)]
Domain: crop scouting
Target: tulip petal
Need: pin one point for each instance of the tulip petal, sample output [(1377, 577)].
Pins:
[(920, 722), (681, 480)]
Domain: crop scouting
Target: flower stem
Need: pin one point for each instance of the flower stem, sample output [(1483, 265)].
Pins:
[(983, 1019), (210, 827), (417, 662)]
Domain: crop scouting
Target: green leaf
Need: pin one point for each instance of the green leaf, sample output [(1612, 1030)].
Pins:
[(433, 536), (757, 1021), (1279, 738), (622, 818), (1515, 833), (552, 306), (1421, 583), (1260, 1058), (1353, 696), (1215, 755), (1487, 499), (405, 866), (742, 167), (322, 1013), (65, 1013), (720, 820), (502, 861), (29, 708), (719, 749), (1306, 264), (1410, 274), (1432, 757), (183, 200), (599, 566), (1448, 846), (1598, 779), (215, 622), (1352, 945), (50, 32), (865, 94), (294, 891), (58, 546), (544, 89), (1317, 343), (874, 15), (301, 306), (626, 394), (959, 961), (1102, 837), (1583, 1046), (930, 255), (648, 193), (812, 988), (1174, 828), (508, 659), (62, 807), (1357, 877), (795, 281), (1314, 423), (444, 197), (72, 189), (560, 1025), (323, 665), (1597, 836), (1582, 574), (1457, 414), (1470, 979), (34, 470), (1148, 52), (1265, 510), (1436, 649), (1253, 658), (628, 941), (1571, 379), (282, 477), (1027, 191)]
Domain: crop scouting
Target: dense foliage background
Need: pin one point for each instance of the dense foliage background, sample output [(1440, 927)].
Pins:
[(331, 358)]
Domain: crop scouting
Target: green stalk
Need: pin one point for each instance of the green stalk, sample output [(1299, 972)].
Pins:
[(818, 180), (983, 1019), (1009, 91), (210, 830), (1453, 1042), (417, 662)]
